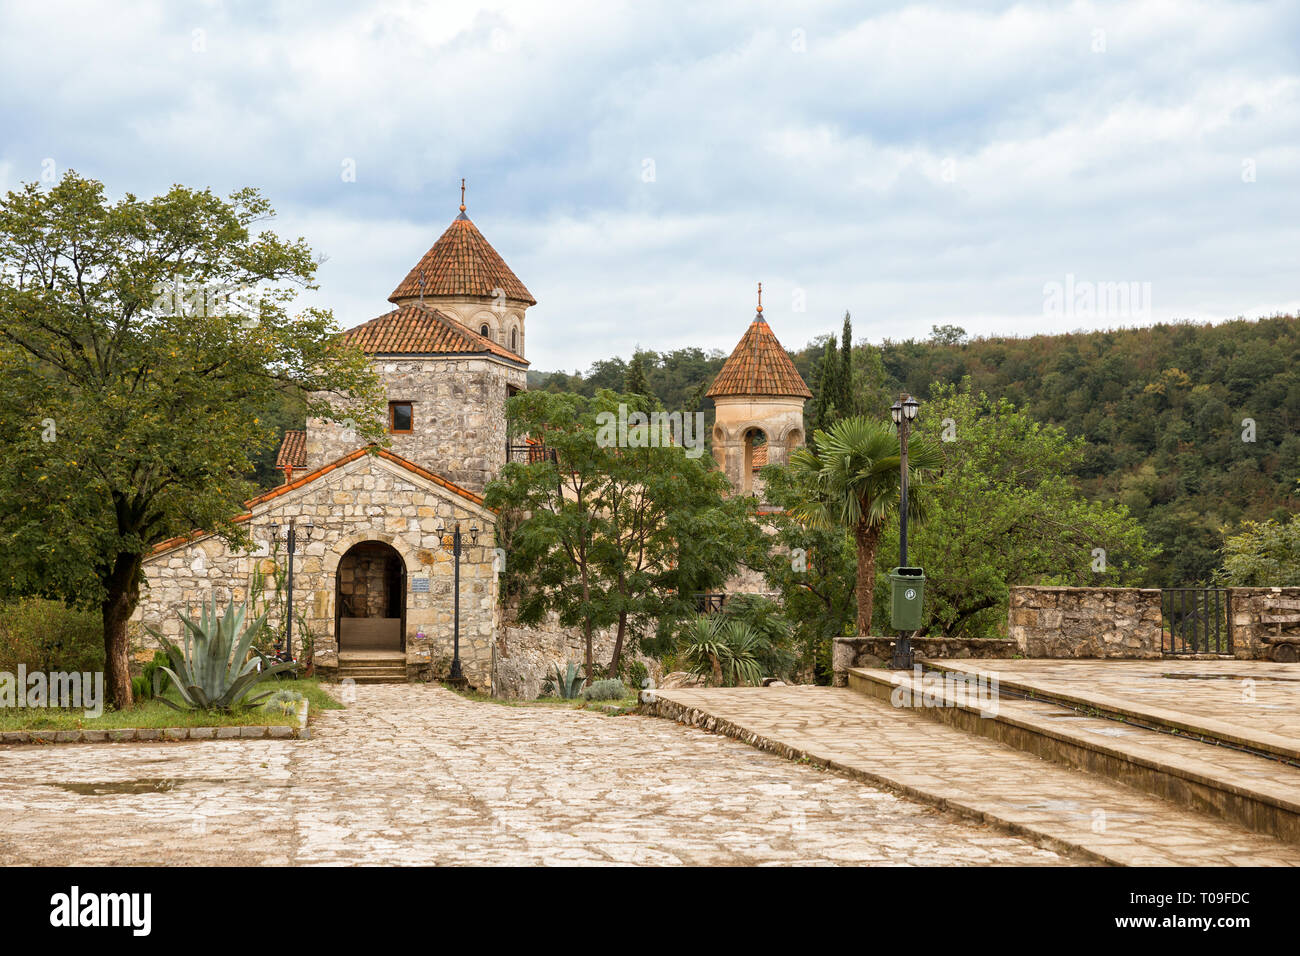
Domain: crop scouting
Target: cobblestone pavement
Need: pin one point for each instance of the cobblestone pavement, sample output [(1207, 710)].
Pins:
[(414, 774), (910, 751), (1253, 696)]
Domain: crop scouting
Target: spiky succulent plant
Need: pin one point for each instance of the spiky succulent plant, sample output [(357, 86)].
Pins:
[(213, 670)]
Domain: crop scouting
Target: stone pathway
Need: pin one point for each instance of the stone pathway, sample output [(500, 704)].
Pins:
[(413, 774), (986, 779)]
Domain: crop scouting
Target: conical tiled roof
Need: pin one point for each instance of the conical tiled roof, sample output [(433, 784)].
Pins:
[(759, 366), (421, 330), (460, 263)]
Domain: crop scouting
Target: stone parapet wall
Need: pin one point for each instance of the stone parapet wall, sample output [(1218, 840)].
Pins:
[(1085, 622), (1262, 618), (847, 652)]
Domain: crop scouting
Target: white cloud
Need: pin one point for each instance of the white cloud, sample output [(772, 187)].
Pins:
[(917, 164)]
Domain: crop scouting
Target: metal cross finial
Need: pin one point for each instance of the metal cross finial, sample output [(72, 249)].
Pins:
[(462, 195), (760, 297)]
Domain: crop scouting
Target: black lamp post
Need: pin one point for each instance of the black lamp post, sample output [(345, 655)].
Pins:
[(455, 674), (903, 412), (291, 543)]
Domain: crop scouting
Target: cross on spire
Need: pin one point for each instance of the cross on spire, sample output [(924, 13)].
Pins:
[(760, 298), (462, 195)]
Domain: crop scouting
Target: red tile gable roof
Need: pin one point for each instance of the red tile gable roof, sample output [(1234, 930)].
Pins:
[(460, 263), (320, 473), (421, 329), (293, 451), (759, 366)]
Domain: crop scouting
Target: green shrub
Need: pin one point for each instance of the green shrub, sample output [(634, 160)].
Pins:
[(48, 636), (605, 690), (284, 702), (633, 672)]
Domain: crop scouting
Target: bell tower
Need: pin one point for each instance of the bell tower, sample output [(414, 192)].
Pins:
[(759, 396)]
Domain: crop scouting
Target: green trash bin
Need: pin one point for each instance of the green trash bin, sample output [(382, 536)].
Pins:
[(908, 591)]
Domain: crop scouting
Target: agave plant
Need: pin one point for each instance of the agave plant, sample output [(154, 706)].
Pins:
[(213, 671), (722, 651), (567, 683)]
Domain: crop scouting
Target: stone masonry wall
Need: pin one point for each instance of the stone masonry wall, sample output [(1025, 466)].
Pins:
[(369, 499), (1085, 622), (458, 407), (525, 656), (1262, 616)]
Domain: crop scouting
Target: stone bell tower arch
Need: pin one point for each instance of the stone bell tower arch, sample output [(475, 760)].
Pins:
[(759, 396)]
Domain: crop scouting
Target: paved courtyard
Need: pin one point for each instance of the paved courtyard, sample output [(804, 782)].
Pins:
[(414, 774)]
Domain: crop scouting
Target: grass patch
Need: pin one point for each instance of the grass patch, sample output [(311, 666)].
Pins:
[(155, 714)]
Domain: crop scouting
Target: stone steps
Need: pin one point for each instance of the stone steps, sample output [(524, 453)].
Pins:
[(385, 668), (1249, 779)]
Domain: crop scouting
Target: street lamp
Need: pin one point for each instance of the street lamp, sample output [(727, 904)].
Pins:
[(455, 676), (291, 542), (903, 412)]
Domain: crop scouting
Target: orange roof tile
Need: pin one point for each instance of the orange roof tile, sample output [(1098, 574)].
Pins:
[(423, 330), (758, 459), (293, 450), (759, 366), (460, 263)]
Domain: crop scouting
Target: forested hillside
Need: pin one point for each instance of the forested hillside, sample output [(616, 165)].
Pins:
[(1193, 427)]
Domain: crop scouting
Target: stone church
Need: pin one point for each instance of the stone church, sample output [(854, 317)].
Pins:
[(373, 570)]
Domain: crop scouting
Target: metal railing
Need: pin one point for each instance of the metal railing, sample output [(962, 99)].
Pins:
[(708, 603), (1195, 621), (529, 454)]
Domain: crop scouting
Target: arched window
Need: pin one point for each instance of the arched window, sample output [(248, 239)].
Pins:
[(483, 331), (514, 341)]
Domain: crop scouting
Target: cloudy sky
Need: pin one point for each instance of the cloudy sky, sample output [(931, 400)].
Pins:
[(641, 165)]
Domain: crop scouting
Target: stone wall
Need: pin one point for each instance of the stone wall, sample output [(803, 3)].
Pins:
[(368, 499), (1085, 622), (1261, 617), (459, 418), (847, 652), (525, 655)]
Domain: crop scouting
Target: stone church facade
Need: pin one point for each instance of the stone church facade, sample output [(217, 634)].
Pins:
[(373, 579), (373, 570)]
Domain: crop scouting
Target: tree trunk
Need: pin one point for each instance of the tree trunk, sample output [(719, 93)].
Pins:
[(123, 594), (865, 538), (618, 644)]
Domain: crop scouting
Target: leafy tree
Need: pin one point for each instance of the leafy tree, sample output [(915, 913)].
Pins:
[(614, 532), (635, 382), (1005, 511), (852, 481), (947, 335), (130, 394), (846, 397), (812, 569), (1262, 554)]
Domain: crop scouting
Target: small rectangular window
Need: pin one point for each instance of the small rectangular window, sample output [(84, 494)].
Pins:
[(400, 416)]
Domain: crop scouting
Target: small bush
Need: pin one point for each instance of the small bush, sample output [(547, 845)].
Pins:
[(605, 690), (284, 702), (48, 636), (633, 672)]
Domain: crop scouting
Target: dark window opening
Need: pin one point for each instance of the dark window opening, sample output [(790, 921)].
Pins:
[(400, 416), (514, 341), (483, 331)]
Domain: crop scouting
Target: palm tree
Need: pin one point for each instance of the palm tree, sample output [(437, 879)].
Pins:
[(853, 480)]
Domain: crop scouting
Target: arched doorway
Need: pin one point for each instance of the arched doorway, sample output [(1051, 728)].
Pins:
[(370, 599)]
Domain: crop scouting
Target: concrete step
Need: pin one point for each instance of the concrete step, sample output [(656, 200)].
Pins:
[(370, 677), (1253, 788)]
